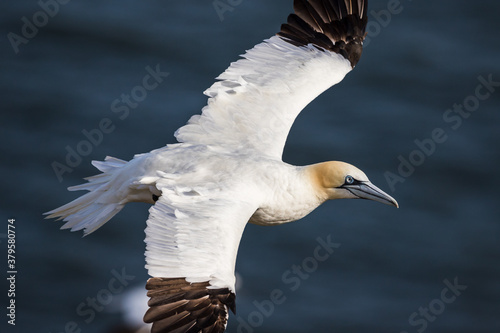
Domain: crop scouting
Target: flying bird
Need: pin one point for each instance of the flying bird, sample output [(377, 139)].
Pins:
[(226, 169)]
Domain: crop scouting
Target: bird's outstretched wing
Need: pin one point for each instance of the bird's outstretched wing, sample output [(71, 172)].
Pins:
[(192, 238), (256, 100)]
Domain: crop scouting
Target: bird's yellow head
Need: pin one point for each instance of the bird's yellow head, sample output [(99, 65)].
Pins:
[(339, 180)]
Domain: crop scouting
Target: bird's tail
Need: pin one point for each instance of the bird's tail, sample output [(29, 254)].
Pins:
[(92, 210)]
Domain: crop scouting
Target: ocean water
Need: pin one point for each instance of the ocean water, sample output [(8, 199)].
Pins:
[(419, 114)]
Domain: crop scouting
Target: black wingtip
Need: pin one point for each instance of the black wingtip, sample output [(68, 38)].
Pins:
[(179, 306), (334, 25)]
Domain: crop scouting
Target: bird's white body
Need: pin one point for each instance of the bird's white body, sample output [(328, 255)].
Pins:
[(280, 191), (199, 180)]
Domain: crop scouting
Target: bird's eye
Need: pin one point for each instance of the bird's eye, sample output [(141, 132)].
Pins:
[(349, 180)]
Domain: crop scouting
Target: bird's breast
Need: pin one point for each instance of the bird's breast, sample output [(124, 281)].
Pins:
[(288, 197), (283, 192), (268, 216)]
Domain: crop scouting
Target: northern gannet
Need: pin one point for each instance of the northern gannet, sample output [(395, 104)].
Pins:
[(227, 169)]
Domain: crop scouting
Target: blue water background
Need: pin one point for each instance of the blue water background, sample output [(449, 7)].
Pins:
[(427, 57)]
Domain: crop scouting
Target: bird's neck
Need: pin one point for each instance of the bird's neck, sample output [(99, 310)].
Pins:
[(323, 179), (290, 195)]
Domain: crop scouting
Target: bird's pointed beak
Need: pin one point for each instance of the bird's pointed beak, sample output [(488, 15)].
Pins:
[(366, 190)]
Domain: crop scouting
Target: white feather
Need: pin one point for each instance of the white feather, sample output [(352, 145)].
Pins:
[(258, 98)]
